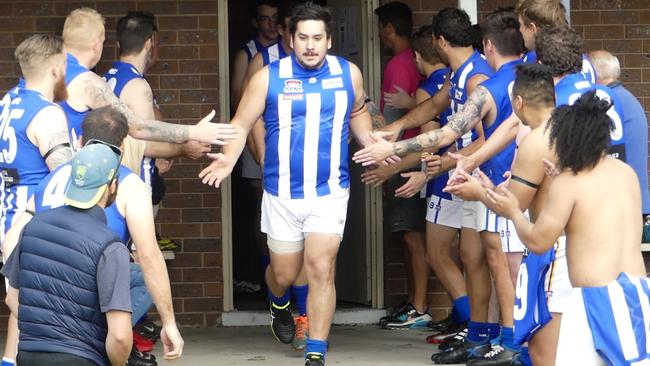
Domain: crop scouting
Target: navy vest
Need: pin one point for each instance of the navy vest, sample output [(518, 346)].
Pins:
[(59, 302)]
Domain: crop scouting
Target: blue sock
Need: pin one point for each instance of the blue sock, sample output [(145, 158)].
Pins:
[(316, 346), (280, 302), (507, 339), (478, 332), (524, 357), (455, 317), (300, 298), (7, 362), (265, 260), (494, 330), (461, 307)]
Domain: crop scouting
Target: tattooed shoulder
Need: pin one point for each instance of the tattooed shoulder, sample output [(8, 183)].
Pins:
[(471, 113)]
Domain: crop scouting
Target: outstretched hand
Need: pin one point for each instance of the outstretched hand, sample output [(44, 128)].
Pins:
[(172, 342), (504, 203), (213, 133), (400, 99), (414, 184), (463, 163), (376, 151), (217, 171), (465, 186)]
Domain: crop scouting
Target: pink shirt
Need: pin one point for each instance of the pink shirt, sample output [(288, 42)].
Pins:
[(401, 71)]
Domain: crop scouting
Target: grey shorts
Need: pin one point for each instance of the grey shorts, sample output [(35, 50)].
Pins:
[(403, 214)]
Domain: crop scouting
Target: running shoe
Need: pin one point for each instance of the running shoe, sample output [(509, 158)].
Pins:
[(498, 356), (454, 340), (148, 329), (443, 334), (141, 343), (461, 354), (394, 313), (412, 319), (314, 359), (137, 358), (282, 323), (445, 323), (302, 332)]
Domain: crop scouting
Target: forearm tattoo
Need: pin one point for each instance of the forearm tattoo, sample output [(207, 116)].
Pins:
[(147, 130), (418, 143), (471, 113), (378, 120)]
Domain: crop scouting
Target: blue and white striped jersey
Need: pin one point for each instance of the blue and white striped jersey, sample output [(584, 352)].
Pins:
[(50, 193), (619, 319), (75, 117), (273, 53), (252, 47), (306, 118), (475, 65), (500, 85), (21, 164)]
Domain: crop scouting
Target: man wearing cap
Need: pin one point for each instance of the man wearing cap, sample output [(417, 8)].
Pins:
[(69, 274)]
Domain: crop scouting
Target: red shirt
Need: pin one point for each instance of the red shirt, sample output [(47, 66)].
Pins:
[(401, 71)]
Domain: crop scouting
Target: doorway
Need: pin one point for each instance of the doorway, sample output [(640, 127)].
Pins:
[(359, 278)]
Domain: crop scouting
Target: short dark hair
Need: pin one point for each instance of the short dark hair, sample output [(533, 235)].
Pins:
[(477, 37), (580, 134), (252, 10), (423, 44), (106, 124), (399, 15), (311, 11), (284, 12), (560, 48), (133, 30), (454, 25), (501, 27), (534, 84)]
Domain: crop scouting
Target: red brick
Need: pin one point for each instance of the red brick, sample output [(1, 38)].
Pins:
[(182, 200), (164, 67), (213, 319), (182, 111), (585, 17), (159, 7), (637, 60), (207, 22), (203, 305), (194, 186), (212, 260), (8, 83), (202, 274), (168, 215), (178, 22), (639, 89), (115, 7), (592, 45), (631, 75), (644, 17), (620, 17), (604, 31), (201, 245), (6, 69), (166, 97), (200, 96), (428, 5), (198, 37), (623, 46), (637, 31), (601, 4), (212, 200), (178, 52), (185, 260), (168, 37), (213, 289), (191, 319), (36, 9), (180, 81), (64, 8), (181, 230), (208, 52), (187, 290), (201, 215), (212, 230), (635, 4), (198, 67), (198, 7)]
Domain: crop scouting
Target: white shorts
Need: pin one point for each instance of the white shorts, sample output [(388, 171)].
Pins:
[(442, 211), (510, 241), (478, 217), (558, 285), (287, 222)]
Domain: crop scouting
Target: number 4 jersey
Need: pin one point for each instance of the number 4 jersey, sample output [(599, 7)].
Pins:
[(21, 164)]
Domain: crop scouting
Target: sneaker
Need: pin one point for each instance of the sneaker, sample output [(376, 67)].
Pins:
[(148, 329), (141, 343), (282, 323), (394, 313), (453, 341), (302, 332), (445, 323), (443, 334), (498, 356), (137, 358), (411, 319), (461, 354), (314, 359)]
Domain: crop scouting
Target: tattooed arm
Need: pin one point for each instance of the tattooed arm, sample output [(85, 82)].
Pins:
[(459, 123), (97, 93), (49, 132)]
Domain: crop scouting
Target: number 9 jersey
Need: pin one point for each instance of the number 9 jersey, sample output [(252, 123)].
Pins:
[(21, 164)]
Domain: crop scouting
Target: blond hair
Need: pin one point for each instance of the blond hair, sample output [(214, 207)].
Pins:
[(35, 51), (82, 28), (544, 13)]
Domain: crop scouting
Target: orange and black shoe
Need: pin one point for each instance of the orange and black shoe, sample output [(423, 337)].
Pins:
[(302, 332)]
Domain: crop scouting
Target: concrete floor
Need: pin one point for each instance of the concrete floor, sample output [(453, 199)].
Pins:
[(349, 345)]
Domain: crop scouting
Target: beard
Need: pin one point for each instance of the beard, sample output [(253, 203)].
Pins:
[(60, 90), (111, 196)]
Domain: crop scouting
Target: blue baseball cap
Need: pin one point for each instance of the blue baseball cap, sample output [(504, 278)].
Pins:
[(93, 168)]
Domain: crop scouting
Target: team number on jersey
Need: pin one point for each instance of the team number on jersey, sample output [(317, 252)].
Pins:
[(521, 293), (7, 133), (54, 193)]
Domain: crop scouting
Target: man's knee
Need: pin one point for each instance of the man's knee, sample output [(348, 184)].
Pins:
[(320, 270)]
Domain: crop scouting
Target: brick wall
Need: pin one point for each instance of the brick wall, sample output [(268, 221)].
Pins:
[(185, 83), (620, 26)]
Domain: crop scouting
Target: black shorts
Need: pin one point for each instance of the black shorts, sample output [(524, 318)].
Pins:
[(403, 214), (26, 358)]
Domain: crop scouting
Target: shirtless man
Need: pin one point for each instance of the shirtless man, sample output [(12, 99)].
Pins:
[(608, 307)]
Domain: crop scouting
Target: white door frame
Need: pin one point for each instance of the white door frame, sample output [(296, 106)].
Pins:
[(374, 219)]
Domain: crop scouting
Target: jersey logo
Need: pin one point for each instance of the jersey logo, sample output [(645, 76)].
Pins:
[(332, 83), (458, 95), (80, 174), (293, 86)]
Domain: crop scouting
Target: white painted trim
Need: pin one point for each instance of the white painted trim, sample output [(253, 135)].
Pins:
[(471, 7), (226, 197), (341, 317), (567, 6)]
